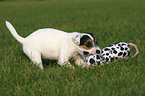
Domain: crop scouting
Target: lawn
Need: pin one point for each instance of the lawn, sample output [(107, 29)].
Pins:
[(111, 21)]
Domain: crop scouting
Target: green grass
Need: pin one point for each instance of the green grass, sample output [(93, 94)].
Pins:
[(110, 20)]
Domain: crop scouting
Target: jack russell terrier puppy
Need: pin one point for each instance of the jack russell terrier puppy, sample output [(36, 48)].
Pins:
[(54, 44)]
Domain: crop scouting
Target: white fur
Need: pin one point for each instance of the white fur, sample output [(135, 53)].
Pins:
[(49, 44)]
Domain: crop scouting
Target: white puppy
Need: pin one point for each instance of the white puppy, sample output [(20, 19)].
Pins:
[(55, 45)]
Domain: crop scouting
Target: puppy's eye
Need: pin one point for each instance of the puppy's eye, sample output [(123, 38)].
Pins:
[(89, 44)]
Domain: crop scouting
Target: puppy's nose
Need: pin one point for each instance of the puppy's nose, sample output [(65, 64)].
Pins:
[(96, 43)]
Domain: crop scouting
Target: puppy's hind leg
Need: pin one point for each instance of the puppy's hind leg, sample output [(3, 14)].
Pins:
[(35, 57)]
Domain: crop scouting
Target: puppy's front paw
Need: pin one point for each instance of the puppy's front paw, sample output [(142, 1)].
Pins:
[(70, 66)]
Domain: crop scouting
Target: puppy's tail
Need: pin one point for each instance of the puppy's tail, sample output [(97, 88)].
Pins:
[(14, 33), (137, 51)]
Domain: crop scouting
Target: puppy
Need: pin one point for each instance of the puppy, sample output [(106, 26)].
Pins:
[(108, 54), (54, 44)]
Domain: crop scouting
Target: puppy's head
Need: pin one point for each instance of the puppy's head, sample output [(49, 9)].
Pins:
[(86, 42)]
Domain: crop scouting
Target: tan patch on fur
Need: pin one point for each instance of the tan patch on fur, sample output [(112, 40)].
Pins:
[(85, 47), (89, 40)]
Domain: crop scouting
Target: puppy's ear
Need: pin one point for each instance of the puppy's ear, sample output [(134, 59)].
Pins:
[(92, 35), (95, 41), (76, 39)]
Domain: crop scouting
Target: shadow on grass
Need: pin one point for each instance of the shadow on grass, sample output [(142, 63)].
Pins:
[(49, 63)]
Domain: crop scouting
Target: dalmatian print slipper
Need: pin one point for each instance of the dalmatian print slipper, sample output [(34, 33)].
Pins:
[(111, 53)]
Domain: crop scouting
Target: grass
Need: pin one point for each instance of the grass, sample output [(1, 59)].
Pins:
[(110, 20)]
